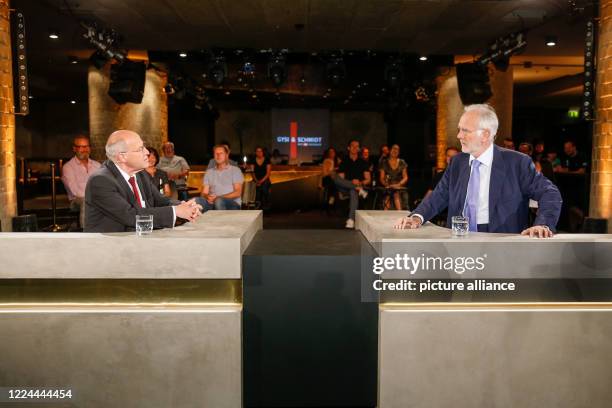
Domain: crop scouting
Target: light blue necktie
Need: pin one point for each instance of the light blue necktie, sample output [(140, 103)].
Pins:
[(473, 192)]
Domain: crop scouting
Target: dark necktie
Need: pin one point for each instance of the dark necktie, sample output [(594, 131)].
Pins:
[(132, 182), (473, 192)]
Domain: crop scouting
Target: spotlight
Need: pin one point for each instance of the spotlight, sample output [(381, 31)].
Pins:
[(336, 71), (551, 41), (217, 70), (276, 70), (106, 43), (422, 58), (183, 55), (394, 72), (500, 51), (73, 102), (73, 60), (53, 34)]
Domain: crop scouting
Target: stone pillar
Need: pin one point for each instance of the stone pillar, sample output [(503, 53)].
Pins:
[(601, 169), (8, 194), (149, 118), (450, 108)]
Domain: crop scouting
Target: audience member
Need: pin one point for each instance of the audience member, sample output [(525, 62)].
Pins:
[(353, 178), (276, 157), (261, 175), (538, 151), (573, 161), (509, 143), (554, 160), (394, 177), (212, 163), (177, 169), (450, 153), (159, 178), (222, 188), (329, 167), (365, 155), (383, 155), (526, 148), (76, 172)]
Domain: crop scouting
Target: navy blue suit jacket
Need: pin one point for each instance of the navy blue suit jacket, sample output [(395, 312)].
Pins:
[(514, 180)]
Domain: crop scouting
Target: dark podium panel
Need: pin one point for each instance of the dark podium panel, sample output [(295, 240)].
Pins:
[(308, 340)]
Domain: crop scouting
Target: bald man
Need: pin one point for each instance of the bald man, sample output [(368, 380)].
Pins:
[(119, 191)]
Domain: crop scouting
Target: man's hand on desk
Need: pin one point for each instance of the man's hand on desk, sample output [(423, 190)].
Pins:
[(188, 210), (409, 222), (538, 231)]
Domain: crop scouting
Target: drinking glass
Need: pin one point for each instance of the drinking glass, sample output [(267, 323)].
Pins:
[(144, 224), (460, 226)]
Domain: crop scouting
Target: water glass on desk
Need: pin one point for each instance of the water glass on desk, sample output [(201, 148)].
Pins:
[(144, 224), (460, 226)]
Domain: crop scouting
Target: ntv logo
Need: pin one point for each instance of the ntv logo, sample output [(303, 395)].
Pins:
[(294, 140)]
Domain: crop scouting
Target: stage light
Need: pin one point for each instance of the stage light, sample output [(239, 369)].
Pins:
[(73, 102), (73, 60), (502, 49), (551, 40), (394, 72), (277, 70), (183, 55), (106, 43), (217, 70), (336, 71), (422, 58), (53, 34)]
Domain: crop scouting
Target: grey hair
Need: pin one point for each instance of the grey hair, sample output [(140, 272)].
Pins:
[(169, 144), (487, 118), (113, 150)]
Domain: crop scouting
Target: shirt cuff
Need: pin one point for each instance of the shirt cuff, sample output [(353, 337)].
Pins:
[(173, 216), (418, 215)]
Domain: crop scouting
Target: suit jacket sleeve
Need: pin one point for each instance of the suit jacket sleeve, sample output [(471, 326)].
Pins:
[(109, 199), (438, 200), (537, 187)]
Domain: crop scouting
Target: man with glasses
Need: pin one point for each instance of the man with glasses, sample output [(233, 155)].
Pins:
[(490, 185), (119, 190), (76, 172)]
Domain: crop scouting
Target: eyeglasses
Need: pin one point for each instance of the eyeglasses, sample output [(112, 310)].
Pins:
[(467, 131), (139, 150)]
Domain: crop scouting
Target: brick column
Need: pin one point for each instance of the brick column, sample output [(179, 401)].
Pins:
[(601, 169), (8, 194), (450, 108), (149, 118)]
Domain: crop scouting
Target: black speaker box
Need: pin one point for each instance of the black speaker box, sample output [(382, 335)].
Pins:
[(473, 81), (127, 82)]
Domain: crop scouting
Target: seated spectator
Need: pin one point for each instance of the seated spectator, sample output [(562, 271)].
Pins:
[(526, 148), (329, 168), (394, 176), (450, 153), (353, 177), (76, 172), (365, 155), (212, 163), (554, 160), (573, 161), (222, 188), (538, 151), (382, 155), (159, 178), (261, 175), (177, 169), (509, 143)]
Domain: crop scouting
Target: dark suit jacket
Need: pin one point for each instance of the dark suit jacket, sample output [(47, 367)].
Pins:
[(110, 205), (514, 181)]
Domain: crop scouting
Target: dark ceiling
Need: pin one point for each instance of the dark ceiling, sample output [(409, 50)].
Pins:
[(434, 27)]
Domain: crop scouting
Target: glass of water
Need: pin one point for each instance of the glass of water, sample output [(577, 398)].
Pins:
[(144, 224), (460, 226)]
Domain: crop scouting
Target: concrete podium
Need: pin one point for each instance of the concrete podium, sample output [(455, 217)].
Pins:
[(545, 345), (127, 321)]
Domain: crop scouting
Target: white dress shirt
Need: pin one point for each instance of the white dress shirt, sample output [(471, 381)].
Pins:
[(486, 160), (127, 178)]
